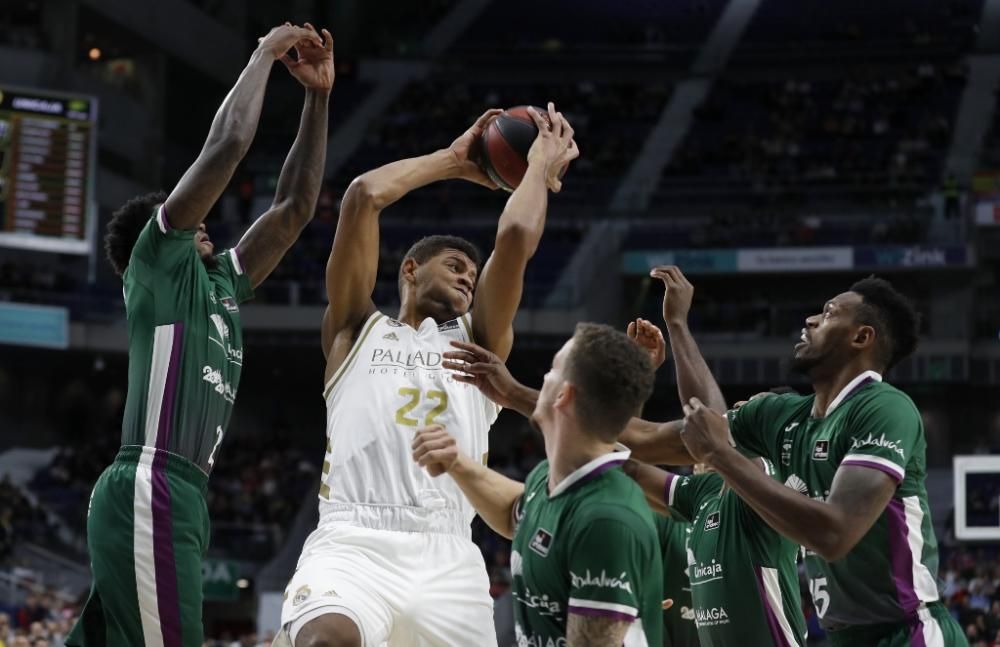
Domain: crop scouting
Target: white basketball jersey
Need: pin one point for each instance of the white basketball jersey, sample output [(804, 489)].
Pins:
[(390, 385)]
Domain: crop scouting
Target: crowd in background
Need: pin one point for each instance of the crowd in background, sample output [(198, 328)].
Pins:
[(878, 136)]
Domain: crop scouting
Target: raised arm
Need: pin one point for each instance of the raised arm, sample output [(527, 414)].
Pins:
[(657, 443), (694, 379), (830, 528), (492, 494), (653, 482), (519, 231), (352, 268), (232, 132), (270, 237), (652, 442)]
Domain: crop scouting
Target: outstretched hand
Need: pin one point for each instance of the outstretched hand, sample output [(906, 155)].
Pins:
[(650, 338), (554, 146), (479, 367), (282, 38), (463, 147), (678, 293), (313, 63)]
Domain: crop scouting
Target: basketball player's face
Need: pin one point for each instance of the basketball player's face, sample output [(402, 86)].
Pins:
[(826, 339), (204, 245), (552, 386), (445, 285)]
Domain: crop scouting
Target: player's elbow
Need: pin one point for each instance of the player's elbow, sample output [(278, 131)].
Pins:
[(832, 543), (363, 194), (517, 238)]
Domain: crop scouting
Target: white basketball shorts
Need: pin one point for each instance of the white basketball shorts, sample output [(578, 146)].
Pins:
[(401, 589)]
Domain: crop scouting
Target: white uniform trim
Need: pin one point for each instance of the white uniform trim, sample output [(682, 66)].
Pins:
[(159, 366), (366, 328), (672, 488), (235, 259), (933, 636), (161, 219), (855, 459), (847, 390), (924, 583), (604, 606), (620, 454), (769, 576), (143, 551)]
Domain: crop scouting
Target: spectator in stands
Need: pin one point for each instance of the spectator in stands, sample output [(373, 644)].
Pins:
[(5, 632)]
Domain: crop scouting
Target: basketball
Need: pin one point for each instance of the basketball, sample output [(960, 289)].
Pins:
[(504, 145)]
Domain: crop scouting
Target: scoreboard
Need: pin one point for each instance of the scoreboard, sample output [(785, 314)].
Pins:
[(47, 154)]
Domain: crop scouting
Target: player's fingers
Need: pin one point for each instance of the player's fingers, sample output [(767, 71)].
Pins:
[(558, 127), (486, 116), (553, 117), (481, 353), (465, 379), (572, 152), (461, 356), (667, 604), (565, 130), (428, 446), (451, 365), (631, 330), (327, 41), (688, 410), (539, 122), (289, 62)]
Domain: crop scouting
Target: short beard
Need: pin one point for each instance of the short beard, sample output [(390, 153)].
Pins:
[(210, 262), (803, 365)]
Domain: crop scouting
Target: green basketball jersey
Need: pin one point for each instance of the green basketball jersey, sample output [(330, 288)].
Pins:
[(889, 574), (185, 343), (744, 578), (589, 548), (679, 629)]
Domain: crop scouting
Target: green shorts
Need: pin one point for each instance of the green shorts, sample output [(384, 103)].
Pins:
[(932, 627), (147, 531)]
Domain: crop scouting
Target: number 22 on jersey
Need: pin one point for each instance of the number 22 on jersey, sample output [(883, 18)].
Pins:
[(414, 397)]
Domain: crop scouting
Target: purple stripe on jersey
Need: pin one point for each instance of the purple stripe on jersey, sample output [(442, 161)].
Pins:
[(603, 613), (902, 559), (874, 466), (600, 469), (772, 618), (666, 487), (167, 599), (860, 385), (917, 635), (170, 389)]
